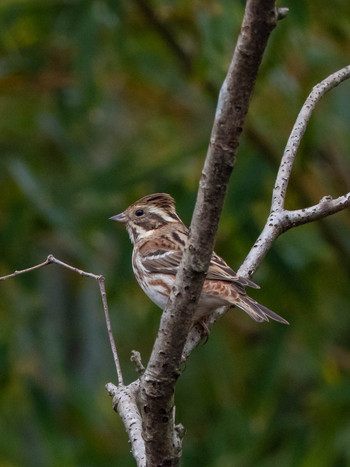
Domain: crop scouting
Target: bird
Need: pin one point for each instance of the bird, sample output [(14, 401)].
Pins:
[(159, 236)]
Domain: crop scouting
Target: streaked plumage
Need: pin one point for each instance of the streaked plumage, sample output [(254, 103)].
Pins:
[(159, 237)]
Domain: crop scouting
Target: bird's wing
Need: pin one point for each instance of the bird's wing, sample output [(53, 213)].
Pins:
[(163, 254), (220, 270)]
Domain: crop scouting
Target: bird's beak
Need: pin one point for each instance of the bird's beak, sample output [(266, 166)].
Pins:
[(120, 218)]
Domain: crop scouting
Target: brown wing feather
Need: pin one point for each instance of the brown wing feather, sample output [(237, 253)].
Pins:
[(164, 263), (163, 256), (220, 270)]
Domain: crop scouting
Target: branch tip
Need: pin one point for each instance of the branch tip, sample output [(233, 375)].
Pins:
[(282, 13), (180, 430), (111, 389), (136, 358)]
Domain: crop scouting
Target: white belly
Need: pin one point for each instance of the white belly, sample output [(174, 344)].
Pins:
[(158, 287)]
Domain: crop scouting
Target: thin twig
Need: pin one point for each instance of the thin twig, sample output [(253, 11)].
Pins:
[(52, 259), (23, 271), (101, 284), (100, 280)]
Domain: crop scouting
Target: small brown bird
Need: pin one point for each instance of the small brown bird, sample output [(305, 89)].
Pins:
[(159, 237)]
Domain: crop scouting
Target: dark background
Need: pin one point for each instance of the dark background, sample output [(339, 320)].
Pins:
[(103, 102)]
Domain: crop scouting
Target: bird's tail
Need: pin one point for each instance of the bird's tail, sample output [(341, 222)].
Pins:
[(256, 311)]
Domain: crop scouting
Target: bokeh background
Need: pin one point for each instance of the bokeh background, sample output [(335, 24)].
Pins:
[(103, 102)]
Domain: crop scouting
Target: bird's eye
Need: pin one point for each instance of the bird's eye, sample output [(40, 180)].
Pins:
[(139, 212)]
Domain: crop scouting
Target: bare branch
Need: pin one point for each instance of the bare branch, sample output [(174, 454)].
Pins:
[(326, 207), (100, 280), (124, 402), (101, 284), (285, 170), (23, 271), (52, 259), (281, 220), (157, 383)]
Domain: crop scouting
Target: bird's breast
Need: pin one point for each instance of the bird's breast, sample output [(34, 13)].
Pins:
[(156, 286)]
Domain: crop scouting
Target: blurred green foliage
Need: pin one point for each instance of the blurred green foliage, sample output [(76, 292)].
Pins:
[(103, 102)]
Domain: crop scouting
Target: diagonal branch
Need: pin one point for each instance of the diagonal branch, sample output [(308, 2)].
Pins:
[(158, 381), (277, 222), (293, 143), (281, 220), (23, 271)]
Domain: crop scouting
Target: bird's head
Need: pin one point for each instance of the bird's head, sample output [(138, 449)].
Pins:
[(148, 214)]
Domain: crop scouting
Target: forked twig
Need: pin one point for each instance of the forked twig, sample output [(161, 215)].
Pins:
[(101, 283), (280, 219)]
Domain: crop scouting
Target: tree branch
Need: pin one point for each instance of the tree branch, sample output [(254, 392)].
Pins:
[(100, 280), (157, 383), (124, 402), (326, 207), (293, 143), (281, 220), (124, 397)]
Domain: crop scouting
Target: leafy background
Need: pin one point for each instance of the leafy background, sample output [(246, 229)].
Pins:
[(103, 102)]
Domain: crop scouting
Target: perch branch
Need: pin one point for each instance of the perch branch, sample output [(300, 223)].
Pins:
[(280, 220), (157, 383)]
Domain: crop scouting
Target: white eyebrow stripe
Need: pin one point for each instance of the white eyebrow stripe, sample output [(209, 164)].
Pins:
[(161, 213)]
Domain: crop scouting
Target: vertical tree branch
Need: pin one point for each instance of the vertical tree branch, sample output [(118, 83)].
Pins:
[(157, 384), (125, 403)]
